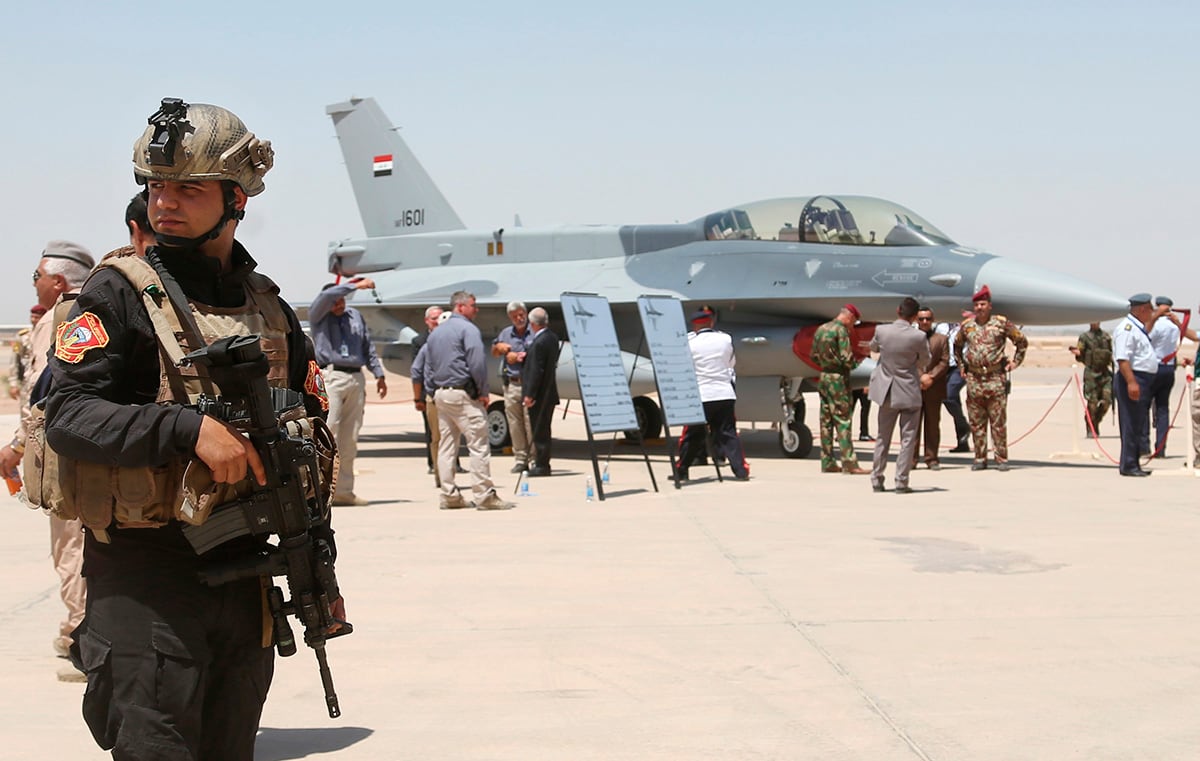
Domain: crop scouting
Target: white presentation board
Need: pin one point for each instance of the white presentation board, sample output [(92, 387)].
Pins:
[(602, 382), (666, 335)]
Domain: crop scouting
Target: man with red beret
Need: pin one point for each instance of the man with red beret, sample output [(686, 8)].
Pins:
[(714, 360), (832, 351), (21, 351), (979, 348)]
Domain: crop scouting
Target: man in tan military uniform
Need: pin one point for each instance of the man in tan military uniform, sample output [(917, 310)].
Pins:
[(979, 348), (62, 270), (22, 348)]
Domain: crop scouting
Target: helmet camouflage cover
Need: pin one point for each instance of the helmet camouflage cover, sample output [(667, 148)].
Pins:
[(201, 142)]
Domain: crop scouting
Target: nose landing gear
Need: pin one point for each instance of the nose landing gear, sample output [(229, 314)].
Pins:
[(795, 438)]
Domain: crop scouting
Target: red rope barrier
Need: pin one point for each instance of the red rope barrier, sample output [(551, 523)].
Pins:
[(1170, 427), (1087, 414), (1044, 416)]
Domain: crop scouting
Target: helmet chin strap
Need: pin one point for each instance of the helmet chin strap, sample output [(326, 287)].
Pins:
[(231, 212)]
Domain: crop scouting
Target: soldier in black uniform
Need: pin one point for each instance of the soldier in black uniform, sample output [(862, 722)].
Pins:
[(176, 669)]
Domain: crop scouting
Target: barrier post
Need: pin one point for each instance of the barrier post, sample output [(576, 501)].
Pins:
[(1073, 414), (1190, 427)]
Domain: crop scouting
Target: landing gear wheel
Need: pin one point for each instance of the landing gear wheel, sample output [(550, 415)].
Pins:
[(796, 440), (497, 426), (649, 418)]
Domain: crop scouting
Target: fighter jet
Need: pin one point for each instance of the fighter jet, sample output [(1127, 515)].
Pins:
[(773, 270)]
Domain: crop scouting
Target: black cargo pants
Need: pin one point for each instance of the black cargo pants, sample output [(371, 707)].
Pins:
[(176, 669)]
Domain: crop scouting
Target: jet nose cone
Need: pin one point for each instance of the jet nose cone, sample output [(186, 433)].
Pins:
[(1031, 295)]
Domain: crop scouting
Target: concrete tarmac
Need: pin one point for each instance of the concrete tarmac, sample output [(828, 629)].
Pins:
[(1044, 613)]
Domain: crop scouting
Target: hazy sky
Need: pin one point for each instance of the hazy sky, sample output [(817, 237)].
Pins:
[(1061, 134)]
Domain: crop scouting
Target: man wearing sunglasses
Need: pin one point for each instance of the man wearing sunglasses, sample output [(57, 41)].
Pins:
[(63, 268)]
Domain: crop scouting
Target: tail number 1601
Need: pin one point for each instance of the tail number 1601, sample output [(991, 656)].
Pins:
[(411, 218)]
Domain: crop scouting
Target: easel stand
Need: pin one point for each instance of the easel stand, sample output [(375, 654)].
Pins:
[(597, 481)]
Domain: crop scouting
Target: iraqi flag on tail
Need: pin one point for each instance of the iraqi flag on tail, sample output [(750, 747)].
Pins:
[(383, 165)]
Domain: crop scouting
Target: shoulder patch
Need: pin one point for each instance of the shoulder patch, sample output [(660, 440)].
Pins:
[(77, 337), (314, 385), (1128, 326)]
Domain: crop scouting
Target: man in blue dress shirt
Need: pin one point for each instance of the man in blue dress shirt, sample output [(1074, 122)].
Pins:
[(343, 347), (1137, 366), (456, 366)]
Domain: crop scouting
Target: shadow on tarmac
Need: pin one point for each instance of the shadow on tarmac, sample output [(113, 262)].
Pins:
[(284, 744), (760, 444)]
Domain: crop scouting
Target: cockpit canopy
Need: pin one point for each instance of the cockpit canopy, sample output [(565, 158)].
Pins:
[(841, 220)]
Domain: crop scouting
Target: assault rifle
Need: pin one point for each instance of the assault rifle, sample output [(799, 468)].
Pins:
[(290, 505)]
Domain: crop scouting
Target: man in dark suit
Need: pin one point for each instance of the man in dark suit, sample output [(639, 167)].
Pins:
[(540, 387), (896, 385), (931, 398)]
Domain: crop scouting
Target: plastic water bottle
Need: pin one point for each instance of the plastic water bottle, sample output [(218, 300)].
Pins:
[(604, 476), (525, 489), (591, 489)]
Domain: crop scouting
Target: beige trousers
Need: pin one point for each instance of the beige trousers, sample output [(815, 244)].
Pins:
[(347, 399), (460, 415), (66, 549), (518, 423)]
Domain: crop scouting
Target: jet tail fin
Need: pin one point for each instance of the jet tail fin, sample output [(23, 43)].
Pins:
[(395, 195)]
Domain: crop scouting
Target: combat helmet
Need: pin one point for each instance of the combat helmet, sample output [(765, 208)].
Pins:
[(201, 142)]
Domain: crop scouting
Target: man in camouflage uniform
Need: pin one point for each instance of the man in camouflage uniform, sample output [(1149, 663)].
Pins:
[(979, 348), (22, 351), (1094, 352), (832, 351)]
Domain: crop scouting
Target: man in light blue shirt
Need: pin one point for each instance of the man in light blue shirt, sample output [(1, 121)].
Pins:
[(343, 347), (1137, 366), (510, 347)]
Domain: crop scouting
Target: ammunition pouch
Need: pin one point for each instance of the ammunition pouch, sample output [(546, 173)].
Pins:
[(42, 488), (98, 495)]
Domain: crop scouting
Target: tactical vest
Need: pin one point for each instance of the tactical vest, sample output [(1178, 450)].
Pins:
[(149, 497), (1099, 355)]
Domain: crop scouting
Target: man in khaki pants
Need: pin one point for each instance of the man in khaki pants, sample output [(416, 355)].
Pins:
[(510, 347), (423, 394), (63, 268), (456, 365), (343, 348)]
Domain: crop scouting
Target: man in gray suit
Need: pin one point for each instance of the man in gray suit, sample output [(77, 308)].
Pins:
[(896, 386)]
